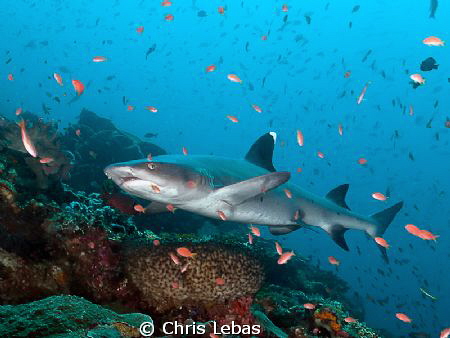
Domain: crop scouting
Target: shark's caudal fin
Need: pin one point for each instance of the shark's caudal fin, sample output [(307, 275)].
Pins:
[(383, 219), (261, 152)]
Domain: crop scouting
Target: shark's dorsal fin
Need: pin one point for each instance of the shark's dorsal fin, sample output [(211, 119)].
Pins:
[(261, 152), (337, 195)]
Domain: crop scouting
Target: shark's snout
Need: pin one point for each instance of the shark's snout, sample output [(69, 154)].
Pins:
[(120, 173)]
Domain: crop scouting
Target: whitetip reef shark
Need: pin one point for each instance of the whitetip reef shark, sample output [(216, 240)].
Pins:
[(247, 190)]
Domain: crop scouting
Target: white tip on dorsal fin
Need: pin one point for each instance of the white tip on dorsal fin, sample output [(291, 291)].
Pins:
[(274, 135)]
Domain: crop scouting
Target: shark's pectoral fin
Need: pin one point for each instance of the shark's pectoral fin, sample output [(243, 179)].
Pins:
[(337, 195), (282, 229), (337, 232), (240, 192), (155, 208)]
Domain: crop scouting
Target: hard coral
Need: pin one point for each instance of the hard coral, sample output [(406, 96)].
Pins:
[(162, 283)]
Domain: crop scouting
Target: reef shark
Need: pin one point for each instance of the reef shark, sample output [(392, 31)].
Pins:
[(247, 190)]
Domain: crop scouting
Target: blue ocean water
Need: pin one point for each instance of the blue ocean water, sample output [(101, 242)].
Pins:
[(297, 77)]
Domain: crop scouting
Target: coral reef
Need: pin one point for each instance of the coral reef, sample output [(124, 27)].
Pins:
[(48, 146), (67, 316), (91, 141)]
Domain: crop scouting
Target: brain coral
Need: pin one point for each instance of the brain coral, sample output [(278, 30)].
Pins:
[(216, 274)]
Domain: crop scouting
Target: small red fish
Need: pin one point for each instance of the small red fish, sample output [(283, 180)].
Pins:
[(285, 257), (185, 252), (362, 161), (264, 37), (166, 3), (185, 152), (320, 154), (233, 119), (347, 74), (255, 231), (445, 333), (257, 108), (78, 132), (309, 306), (210, 68), (220, 281), (234, 78), (156, 242), (288, 193), (130, 107), (382, 242), (379, 196), (278, 248), (78, 86), (10, 77), (151, 109), (139, 208), (99, 59), (350, 320), (221, 215), (300, 139), (18, 111), (45, 160), (58, 78), (140, 29), (284, 8), (221, 10), (250, 239), (26, 140), (170, 207), (340, 129), (403, 317), (169, 17), (175, 285), (333, 260), (174, 258)]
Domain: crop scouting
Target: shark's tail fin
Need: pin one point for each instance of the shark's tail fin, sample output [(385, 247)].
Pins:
[(383, 219)]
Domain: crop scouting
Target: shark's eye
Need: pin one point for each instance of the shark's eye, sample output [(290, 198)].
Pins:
[(151, 166)]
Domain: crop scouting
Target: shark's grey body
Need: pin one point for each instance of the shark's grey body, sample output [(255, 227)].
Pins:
[(243, 190)]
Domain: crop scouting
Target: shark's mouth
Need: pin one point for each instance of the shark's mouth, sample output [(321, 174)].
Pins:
[(127, 179)]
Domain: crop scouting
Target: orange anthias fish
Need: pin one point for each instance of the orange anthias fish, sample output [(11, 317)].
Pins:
[(210, 68), (166, 3), (152, 109), (221, 10), (379, 196), (174, 258), (285, 257), (78, 86), (417, 78), (140, 29), (257, 108), (362, 161), (10, 77), (426, 235), (284, 8), (333, 260), (347, 74), (27, 143), (340, 129), (445, 333), (403, 317), (169, 17), (18, 111), (185, 151), (45, 160), (250, 239), (58, 79), (220, 281), (233, 119), (185, 252), (234, 78), (433, 41), (139, 208), (320, 154), (350, 320), (288, 193), (300, 139), (99, 59), (309, 306), (278, 248), (255, 231), (381, 241)]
